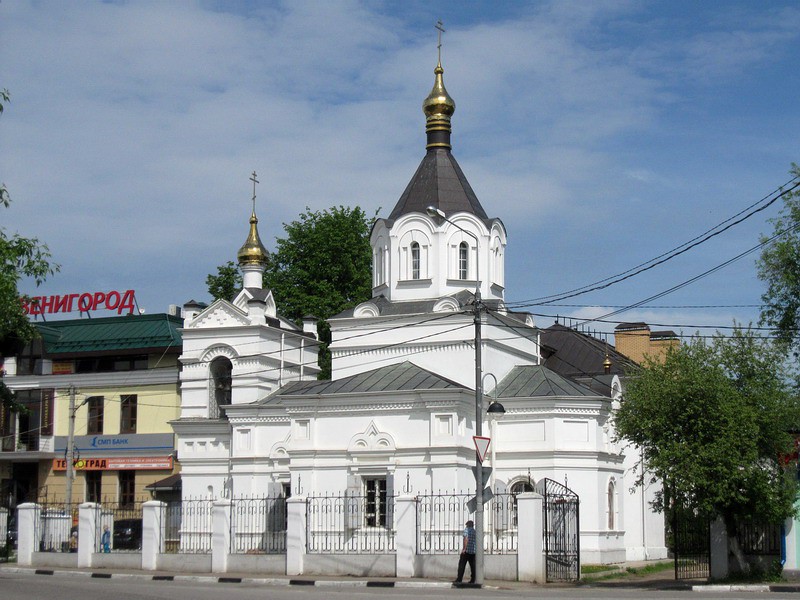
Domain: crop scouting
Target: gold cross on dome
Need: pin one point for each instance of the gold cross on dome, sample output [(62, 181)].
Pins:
[(255, 181), (440, 27)]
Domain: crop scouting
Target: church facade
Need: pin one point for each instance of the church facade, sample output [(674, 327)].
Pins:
[(399, 413)]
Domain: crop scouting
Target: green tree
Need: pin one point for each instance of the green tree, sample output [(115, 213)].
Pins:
[(714, 423), (321, 267), (779, 267), (20, 257), (225, 283)]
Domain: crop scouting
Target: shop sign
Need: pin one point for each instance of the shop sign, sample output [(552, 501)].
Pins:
[(126, 463), (149, 443), (83, 302), (62, 368)]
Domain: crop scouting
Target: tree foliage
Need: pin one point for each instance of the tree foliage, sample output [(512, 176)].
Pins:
[(779, 267), (323, 265), (320, 268), (225, 283), (714, 422), (20, 257)]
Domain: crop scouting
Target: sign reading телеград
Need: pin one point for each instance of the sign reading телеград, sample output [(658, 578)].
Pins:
[(116, 463)]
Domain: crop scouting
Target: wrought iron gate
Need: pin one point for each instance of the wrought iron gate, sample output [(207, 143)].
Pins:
[(561, 519), (691, 544)]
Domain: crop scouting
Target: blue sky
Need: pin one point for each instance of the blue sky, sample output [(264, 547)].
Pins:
[(602, 133)]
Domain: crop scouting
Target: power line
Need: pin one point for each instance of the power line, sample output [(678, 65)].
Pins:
[(700, 276), (718, 229), (655, 306), (581, 321)]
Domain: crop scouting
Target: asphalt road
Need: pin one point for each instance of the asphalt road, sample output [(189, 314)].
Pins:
[(19, 586)]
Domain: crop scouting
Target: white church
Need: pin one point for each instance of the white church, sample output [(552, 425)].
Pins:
[(399, 412)]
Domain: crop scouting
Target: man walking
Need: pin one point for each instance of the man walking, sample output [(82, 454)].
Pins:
[(468, 550)]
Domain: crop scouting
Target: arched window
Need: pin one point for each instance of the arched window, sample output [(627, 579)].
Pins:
[(519, 487), (612, 505), (414, 260), (378, 269), (221, 371), (463, 264), (497, 267)]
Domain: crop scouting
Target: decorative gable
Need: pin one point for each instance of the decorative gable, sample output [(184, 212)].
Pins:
[(220, 314), (263, 295), (371, 440)]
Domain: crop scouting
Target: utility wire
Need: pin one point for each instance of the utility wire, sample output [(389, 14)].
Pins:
[(654, 306), (698, 277), (718, 229)]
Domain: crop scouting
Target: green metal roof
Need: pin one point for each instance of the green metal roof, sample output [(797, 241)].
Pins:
[(536, 380), (111, 334), (391, 378)]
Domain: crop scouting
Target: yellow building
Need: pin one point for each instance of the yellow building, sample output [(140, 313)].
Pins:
[(119, 377), (635, 340)]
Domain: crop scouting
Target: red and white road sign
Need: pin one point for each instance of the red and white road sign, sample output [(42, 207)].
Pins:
[(481, 445)]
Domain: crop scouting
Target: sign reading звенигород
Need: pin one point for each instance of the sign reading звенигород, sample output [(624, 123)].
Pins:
[(84, 302)]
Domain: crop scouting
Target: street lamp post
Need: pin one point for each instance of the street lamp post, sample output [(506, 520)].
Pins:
[(478, 309)]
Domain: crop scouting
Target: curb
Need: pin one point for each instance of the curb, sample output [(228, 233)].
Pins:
[(752, 587), (234, 580)]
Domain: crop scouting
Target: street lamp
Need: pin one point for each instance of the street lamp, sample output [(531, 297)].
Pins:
[(436, 212)]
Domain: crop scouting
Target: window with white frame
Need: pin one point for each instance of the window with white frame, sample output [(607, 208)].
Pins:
[(463, 260), (497, 267), (611, 504), (379, 267), (415, 260), (375, 502), (369, 501)]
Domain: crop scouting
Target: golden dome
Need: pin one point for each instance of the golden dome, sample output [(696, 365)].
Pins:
[(253, 251), (438, 105)]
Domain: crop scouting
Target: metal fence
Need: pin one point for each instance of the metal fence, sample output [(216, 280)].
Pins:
[(188, 526), (760, 539), (124, 526), (441, 519), (690, 538), (57, 528), (561, 535), (7, 534), (258, 525), (350, 524)]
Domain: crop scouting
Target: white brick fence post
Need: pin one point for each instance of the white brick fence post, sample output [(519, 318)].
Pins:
[(790, 535), (220, 535), (28, 518), (153, 529), (530, 544), (405, 537), (295, 535), (88, 532), (719, 568)]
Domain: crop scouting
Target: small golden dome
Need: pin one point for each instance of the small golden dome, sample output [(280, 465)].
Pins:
[(253, 251), (438, 105)]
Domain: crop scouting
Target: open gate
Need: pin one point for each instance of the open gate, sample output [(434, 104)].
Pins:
[(561, 519), (691, 544)]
